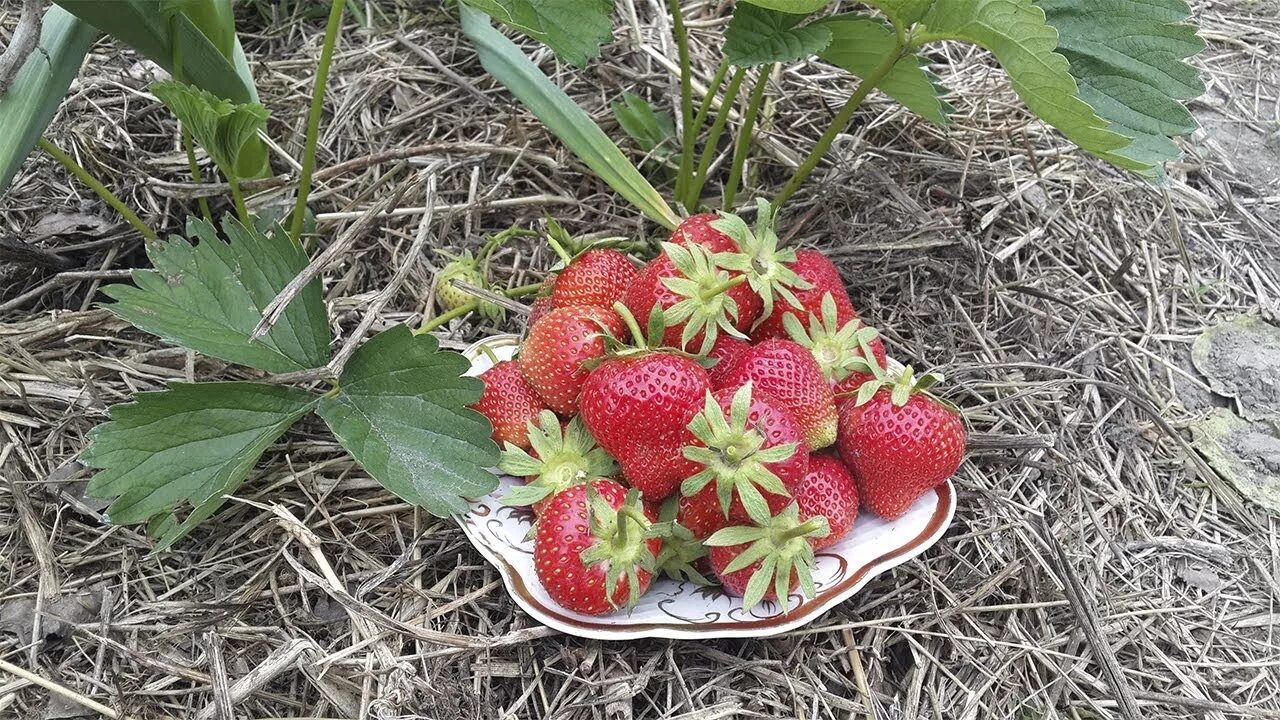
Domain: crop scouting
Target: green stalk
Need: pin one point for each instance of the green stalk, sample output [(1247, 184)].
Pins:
[(838, 124), (242, 210), (713, 89), (187, 145), (313, 118), (98, 188), (694, 193), (721, 288), (686, 97), (744, 136)]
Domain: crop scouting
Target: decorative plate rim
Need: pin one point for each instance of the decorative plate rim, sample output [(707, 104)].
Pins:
[(583, 626)]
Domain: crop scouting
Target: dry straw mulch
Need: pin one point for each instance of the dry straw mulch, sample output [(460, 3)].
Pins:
[(1096, 568)]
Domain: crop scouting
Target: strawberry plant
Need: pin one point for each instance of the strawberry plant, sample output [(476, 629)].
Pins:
[(1110, 75)]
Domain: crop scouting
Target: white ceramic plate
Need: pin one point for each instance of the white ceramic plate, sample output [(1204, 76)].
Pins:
[(682, 609)]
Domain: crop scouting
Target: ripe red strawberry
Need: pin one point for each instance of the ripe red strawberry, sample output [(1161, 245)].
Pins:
[(597, 277), (749, 452), (701, 512), (558, 345), (509, 402), (698, 230), (827, 490), (899, 442), (767, 562), (638, 407), (594, 550), (848, 355), (787, 372), (824, 278), (727, 351), (542, 302), (701, 301), (559, 457)]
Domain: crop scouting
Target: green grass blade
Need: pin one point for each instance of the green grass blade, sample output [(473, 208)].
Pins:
[(509, 66), (37, 91)]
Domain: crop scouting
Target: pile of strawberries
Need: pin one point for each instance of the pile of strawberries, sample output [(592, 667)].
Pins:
[(735, 433)]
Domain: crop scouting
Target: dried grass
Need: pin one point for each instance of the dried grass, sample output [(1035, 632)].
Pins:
[(1095, 569)]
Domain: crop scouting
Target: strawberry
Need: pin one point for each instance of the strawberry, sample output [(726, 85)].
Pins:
[(727, 351), (509, 402), (597, 277), (827, 490), (768, 270), (638, 407), (845, 354), (465, 268), (823, 278), (769, 561), (701, 513), (542, 302), (749, 451), (700, 230), (558, 346), (787, 372), (561, 457), (700, 300), (900, 442), (595, 547)]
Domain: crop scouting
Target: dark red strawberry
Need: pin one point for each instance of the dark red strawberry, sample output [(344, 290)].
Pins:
[(848, 355), (767, 562), (727, 351), (594, 550), (787, 372), (701, 512), (701, 301), (698, 230), (827, 490), (542, 302), (749, 451), (558, 346), (823, 277), (509, 402), (900, 442), (597, 277), (638, 407), (559, 457)]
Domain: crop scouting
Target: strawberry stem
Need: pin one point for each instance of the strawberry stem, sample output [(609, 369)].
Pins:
[(722, 288), (808, 527), (637, 335)]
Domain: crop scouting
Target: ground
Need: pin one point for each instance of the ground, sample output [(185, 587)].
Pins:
[(1097, 567)]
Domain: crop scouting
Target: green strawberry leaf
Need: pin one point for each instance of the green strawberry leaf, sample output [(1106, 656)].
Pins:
[(573, 29), (225, 130), (1129, 61), (858, 45), (649, 128), (902, 13), (758, 36), (791, 6), (187, 446), (401, 411), (1015, 32), (209, 296)]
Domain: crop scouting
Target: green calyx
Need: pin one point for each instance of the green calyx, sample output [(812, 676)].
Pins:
[(680, 549), (733, 456), (768, 269), (840, 351), (782, 548), (901, 388), (560, 459), (621, 543), (706, 307)]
